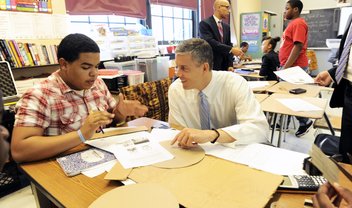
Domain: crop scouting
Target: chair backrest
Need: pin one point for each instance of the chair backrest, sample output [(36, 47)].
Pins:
[(152, 94), (7, 84), (312, 60)]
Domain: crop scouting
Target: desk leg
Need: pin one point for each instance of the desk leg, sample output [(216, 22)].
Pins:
[(40, 198), (280, 133), (274, 127), (329, 124)]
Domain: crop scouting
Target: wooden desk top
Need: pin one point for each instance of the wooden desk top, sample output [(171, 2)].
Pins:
[(261, 97), (271, 104), (81, 191), (253, 75), (285, 87), (262, 89)]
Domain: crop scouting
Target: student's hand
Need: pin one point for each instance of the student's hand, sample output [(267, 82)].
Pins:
[(230, 69), (189, 138), (95, 120), (323, 78), (331, 196), (236, 51), (129, 108)]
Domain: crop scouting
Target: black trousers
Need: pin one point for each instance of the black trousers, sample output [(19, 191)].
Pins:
[(346, 129)]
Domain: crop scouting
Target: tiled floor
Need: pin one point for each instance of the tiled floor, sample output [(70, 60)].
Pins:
[(24, 198)]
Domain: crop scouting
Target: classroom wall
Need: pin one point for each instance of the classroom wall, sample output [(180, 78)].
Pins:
[(59, 7), (245, 7), (278, 6)]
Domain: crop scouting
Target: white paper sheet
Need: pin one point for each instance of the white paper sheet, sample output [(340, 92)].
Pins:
[(98, 169), (297, 104), (261, 157), (295, 75), (257, 84), (133, 150), (159, 135)]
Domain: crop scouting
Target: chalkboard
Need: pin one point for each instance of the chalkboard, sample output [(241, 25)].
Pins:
[(322, 24)]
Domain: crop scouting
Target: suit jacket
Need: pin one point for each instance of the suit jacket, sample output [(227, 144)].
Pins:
[(208, 30), (337, 98)]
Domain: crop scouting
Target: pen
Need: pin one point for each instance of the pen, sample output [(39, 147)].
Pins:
[(100, 129)]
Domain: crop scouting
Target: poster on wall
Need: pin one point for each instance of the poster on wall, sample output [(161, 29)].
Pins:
[(251, 32), (43, 6)]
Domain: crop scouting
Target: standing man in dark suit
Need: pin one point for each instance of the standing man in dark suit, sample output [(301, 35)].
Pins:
[(342, 96), (217, 34)]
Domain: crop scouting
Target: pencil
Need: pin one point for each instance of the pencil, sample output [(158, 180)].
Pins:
[(100, 128)]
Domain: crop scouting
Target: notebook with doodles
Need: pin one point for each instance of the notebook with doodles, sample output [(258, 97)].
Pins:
[(75, 163)]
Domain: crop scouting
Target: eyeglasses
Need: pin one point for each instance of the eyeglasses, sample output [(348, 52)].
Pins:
[(227, 7)]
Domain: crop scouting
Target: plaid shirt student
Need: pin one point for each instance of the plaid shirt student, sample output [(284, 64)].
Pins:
[(55, 107)]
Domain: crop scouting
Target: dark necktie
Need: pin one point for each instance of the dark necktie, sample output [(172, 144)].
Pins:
[(343, 61), (221, 31), (204, 111)]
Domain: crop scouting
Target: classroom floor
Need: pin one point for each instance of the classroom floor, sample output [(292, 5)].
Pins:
[(25, 199)]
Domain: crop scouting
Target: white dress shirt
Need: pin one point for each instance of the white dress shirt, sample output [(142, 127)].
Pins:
[(233, 108)]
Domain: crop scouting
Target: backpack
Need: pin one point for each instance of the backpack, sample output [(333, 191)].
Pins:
[(328, 144)]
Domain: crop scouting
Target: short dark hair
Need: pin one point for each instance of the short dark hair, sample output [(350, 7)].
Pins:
[(296, 3), (272, 41), (73, 44), (199, 49), (243, 44)]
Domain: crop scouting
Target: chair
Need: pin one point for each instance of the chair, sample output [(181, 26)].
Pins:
[(312, 61), (152, 94)]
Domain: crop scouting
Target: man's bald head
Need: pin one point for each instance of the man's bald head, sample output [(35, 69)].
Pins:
[(221, 8)]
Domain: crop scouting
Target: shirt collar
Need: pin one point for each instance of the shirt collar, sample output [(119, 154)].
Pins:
[(63, 86), (216, 19), (209, 87)]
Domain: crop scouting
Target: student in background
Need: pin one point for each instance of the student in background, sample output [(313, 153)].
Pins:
[(4, 134), (244, 48), (214, 106), (293, 49), (331, 196), (69, 106), (217, 34), (270, 59)]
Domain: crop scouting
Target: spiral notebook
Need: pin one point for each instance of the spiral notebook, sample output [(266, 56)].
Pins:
[(75, 163)]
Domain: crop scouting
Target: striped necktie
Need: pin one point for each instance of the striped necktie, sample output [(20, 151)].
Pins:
[(343, 61), (221, 31), (204, 111)]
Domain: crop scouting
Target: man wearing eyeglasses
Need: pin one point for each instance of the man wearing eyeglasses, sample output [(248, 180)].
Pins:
[(217, 34)]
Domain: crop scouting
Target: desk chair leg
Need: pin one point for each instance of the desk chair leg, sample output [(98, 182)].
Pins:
[(273, 129), (280, 132), (284, 126), (329, 124)]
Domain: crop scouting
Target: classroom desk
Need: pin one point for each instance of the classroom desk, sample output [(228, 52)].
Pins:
[(285, 87), (261, 97), (251, 75), (262, 89), (51, 185), (272, 105)]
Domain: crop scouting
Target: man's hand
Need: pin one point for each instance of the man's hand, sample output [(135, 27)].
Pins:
[(188, 137), (323, 78), (95, 120), (331, 196), (236, 51), (129, 108)]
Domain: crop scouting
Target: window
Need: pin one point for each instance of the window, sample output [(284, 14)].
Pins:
[(171, 24), (84, 23)]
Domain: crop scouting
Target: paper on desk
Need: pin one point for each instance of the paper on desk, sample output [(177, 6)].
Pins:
[(295, 75), (297, 104), (99, 169), (262, 157), (159, 135), (257, 84), (133, 150)]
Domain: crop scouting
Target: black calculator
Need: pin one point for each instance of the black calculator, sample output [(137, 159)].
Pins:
[(302, 182)]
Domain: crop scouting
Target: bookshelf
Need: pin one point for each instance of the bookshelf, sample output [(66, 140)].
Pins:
[(38, 28)]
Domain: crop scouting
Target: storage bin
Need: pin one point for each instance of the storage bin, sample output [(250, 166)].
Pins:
[(134, 77)]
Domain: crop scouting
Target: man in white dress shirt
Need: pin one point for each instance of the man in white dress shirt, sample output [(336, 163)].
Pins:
[(214, 106)]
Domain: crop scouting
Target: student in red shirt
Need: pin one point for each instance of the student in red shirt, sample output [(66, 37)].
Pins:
[(293, 49)]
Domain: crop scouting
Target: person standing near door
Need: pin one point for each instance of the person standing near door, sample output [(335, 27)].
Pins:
[(217, 34)]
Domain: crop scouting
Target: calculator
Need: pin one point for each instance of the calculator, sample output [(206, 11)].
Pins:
[(302, 182)]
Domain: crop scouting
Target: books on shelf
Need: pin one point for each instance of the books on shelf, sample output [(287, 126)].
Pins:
[(20, 54)]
